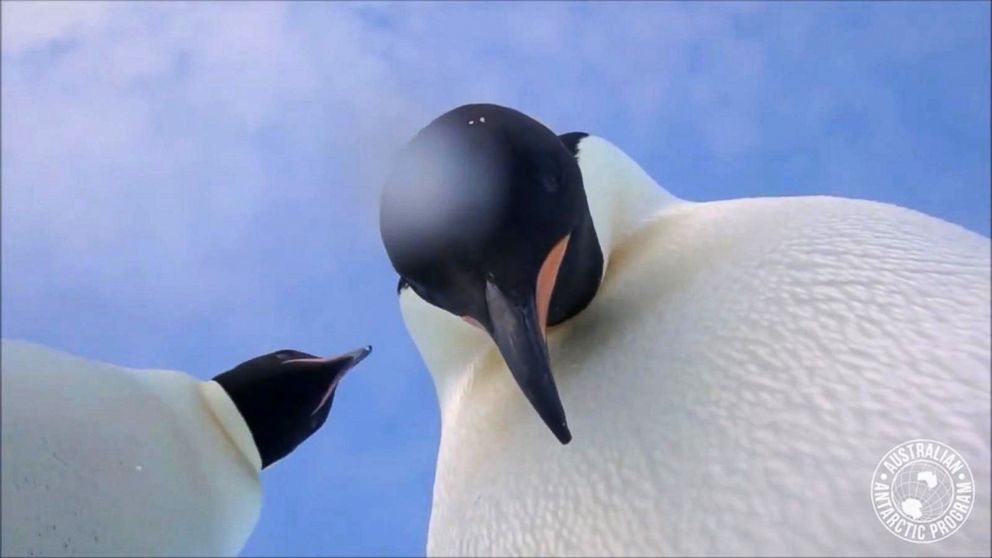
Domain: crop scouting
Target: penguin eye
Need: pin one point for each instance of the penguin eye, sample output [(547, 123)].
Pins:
[(551, 184), (553, 178), (283, 355)]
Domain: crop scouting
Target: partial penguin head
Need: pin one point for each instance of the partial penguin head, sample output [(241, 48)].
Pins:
[(485, 216), (285, 396)]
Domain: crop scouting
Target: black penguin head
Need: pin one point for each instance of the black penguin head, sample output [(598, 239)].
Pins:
[(485, 216), (285, 396)]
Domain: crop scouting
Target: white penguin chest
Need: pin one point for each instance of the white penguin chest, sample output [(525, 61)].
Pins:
[(731, 388), (98, 460)]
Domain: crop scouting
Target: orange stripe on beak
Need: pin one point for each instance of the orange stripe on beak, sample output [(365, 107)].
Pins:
[(546, 280)]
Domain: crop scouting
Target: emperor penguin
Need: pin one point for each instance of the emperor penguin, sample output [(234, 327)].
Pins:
[(726, 375), (102, 460)]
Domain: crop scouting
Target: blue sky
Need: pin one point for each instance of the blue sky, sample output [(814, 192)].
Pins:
[(187, 186)]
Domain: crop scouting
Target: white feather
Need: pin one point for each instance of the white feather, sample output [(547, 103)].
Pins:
[(100, 460), (731, 387)]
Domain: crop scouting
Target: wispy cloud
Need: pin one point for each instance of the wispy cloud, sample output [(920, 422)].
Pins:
[(159, 130), (143, 142)]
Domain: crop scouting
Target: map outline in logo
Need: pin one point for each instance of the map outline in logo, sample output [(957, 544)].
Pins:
[(922, 491)]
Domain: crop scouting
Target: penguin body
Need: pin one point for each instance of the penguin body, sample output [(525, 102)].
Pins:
[(790, 345), (742, 368), (104, 460)]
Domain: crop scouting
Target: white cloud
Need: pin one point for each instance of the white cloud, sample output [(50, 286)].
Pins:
[(131, 152), (142, 142), (29, 25)]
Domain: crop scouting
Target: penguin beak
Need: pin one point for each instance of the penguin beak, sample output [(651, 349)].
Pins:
[(340, 364), (518, 332), (335, 366), (350, 360)]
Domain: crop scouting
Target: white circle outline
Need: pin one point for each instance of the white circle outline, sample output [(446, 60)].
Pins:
[(874, 475)]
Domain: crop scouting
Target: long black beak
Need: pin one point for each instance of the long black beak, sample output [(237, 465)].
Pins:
[(350, 360), (337, 365), (331, 369), (515, 329)]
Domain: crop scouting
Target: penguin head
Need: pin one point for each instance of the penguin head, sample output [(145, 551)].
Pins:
[(485, 216), (285, 396)]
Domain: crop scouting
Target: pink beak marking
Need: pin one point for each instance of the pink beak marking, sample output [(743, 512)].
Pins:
[(327, 394), (353, 357), (330, 388)]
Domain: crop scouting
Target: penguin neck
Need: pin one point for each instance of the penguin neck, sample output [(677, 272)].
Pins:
[(230, 420), (621, 195)]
